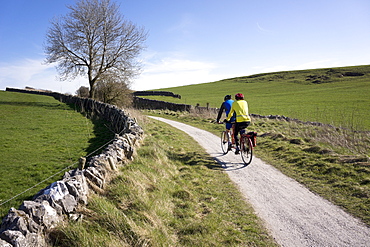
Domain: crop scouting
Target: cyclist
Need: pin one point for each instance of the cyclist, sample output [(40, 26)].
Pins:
[(226, 106), (243, 120)]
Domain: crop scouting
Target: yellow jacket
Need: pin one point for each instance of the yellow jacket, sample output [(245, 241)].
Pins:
[(240, 107)]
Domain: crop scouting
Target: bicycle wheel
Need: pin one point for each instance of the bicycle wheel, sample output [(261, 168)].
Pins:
[(246, 150), (224, 142)]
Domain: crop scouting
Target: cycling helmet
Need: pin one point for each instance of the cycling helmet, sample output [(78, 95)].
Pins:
[(227, 97), (239, 96)]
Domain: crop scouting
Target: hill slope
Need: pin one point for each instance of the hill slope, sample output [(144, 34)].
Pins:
[(338, 96)]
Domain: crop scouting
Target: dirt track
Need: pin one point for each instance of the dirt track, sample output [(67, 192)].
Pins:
[(294, 215)]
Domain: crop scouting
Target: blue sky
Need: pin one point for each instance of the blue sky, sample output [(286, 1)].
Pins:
[(198, 41)]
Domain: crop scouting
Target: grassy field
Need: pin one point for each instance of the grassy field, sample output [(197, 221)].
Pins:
[(338, 96), (173, 194), (39, 137)]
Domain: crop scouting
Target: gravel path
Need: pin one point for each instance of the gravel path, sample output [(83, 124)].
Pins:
[(294, 215)]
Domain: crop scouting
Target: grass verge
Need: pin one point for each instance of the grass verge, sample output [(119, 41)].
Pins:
[(173, 194), (331, 162)]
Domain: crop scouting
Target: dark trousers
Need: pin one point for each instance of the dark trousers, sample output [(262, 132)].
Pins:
[(238, 127)]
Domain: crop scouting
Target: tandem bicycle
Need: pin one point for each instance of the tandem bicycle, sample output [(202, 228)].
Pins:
[(246, 144)]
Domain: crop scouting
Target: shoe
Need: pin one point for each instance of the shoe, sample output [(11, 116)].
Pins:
[(237, 151), (229, 147)]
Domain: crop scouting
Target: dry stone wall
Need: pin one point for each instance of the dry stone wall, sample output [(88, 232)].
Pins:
[(143, 103), (27, 225), (156, 93)]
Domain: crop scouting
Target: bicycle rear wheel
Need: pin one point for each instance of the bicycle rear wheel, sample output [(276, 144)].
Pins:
[(246, 150), (225, 142)]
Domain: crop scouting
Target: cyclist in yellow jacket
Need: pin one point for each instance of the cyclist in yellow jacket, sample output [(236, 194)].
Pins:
[(243, 120)]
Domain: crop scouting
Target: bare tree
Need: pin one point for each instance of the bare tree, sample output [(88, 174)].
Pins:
[(94, 40)]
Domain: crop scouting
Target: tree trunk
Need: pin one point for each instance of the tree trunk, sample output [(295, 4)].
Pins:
[(92, 90)]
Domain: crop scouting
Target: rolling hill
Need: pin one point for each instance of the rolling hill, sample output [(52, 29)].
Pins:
[(338, 96)]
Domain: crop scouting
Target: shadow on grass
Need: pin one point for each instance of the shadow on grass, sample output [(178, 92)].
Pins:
[(103, 135), (196, 159), (35, 104)]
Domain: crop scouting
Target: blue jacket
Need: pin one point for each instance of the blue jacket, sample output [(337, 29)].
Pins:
[(226, 105)]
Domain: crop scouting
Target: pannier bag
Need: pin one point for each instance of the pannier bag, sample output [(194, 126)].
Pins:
[(253, 137)]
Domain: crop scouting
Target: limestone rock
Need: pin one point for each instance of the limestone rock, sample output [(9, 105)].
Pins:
[(20, 221), (42, 213), (15, 238), (3, 243)]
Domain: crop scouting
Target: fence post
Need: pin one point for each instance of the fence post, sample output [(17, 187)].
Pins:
[(81, 163)]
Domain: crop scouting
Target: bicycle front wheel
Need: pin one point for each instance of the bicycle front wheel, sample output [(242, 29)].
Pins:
[(224, 142), (246, 150)]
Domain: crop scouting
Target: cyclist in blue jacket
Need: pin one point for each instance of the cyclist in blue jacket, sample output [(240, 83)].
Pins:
[(226, 106)]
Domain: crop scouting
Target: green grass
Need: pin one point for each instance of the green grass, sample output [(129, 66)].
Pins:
[(40, 136), (173, 194), (331, 162), (321, 95)]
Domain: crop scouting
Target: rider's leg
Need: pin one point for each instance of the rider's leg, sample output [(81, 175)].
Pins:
[(236, 139), (233, 131), (238, 127), (225, 137), (229, 137), (229, 132)]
